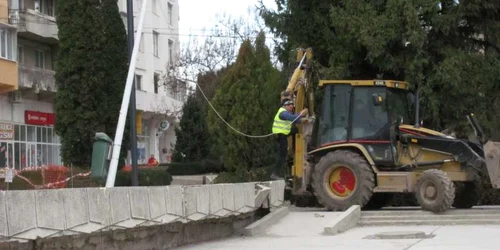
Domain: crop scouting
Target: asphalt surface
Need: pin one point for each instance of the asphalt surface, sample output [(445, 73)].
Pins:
[(303, 229)]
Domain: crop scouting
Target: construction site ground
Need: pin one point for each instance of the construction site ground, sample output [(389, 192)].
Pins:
[(303, 228)]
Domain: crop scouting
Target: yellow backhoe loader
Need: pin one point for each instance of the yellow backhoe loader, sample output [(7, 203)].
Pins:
[(362, 147)]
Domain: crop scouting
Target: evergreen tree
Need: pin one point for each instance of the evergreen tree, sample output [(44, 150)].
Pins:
[(247, 98), (192, 134), (91, 66), (448, 48), (116, 48)]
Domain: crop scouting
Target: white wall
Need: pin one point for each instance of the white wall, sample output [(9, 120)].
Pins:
[(155, 20), (14, 112)]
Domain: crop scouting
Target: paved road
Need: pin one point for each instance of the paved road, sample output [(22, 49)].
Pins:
[(303, 230)]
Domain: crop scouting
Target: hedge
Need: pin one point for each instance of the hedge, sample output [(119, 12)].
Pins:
[(194, 168)]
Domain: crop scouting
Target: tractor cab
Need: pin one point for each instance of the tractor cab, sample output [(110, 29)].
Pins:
[(364, 112)]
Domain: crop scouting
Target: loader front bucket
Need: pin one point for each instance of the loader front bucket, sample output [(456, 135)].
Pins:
[(492, 159)]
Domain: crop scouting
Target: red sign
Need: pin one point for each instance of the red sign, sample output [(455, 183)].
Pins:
[(38, 118)]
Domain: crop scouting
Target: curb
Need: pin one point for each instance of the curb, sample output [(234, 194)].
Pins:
[(347, 220), (259, 226)]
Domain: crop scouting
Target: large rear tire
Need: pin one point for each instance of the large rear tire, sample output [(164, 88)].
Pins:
[(435, 191), (343, 178)]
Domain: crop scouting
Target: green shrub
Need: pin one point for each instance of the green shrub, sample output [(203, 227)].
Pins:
[(194, 168), (157, 176)]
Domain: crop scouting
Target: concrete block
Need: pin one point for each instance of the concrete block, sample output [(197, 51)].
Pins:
[(157, 202), (119, 200), (76, 207), (239, 197), (276, 197), (21, 211), (216, 201), (197, 202), (99, 206), (175, 200), (249, 191), (139, 202), (262, 193), (50, 209), (3, 215), (347, 220), (228, 198), (259, 227)]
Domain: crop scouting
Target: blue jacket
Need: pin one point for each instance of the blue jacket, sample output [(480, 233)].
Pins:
[(288, 116)]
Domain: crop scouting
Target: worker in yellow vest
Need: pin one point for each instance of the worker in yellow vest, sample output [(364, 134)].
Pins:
[(283, 127)]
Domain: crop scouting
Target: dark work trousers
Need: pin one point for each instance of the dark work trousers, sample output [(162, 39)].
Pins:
[(281, 169)]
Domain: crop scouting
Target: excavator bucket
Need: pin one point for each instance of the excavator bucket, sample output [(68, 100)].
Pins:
[(492, 159)]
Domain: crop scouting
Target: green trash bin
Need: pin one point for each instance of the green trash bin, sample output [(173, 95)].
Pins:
[(101, 155)]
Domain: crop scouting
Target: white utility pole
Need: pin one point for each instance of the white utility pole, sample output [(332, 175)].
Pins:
[(113, 166)]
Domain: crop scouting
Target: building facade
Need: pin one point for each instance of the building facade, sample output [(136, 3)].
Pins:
[(158, 101), (28, 48)]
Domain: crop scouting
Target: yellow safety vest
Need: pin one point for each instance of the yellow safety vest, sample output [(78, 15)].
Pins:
[(281, 126)]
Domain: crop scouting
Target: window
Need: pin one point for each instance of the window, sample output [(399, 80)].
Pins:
[(20, 54), (155, 43), (155, 81), (45, 7), (170, 52), (369, 121), (334, 118), (39, 59), (7, 41), (138, 82), (170, 19)]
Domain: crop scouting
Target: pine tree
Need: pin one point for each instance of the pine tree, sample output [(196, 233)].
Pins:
[(192, 134), (247, 98)]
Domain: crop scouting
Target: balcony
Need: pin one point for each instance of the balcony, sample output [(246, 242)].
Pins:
[(8, 76), (37, 79), (160, 104), (34, 25)]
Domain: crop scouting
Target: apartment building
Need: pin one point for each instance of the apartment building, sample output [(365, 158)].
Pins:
[(28, 49), (158, 101)]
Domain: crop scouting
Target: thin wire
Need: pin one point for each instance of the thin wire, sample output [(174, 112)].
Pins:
[(229, 125)]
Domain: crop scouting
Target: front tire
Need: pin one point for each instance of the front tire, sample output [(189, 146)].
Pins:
[(435, 191), (468, 194), (343, 178)]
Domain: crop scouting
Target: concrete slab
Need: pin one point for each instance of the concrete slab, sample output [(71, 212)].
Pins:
[(139, 203), (301, 224), (99, 206), (345, 221), (197, 202), (261, 226), (50, 209), (228, 197), (157, 202), (20, 211), (76, 207), (120, 204), (216, 201), (175, 201)]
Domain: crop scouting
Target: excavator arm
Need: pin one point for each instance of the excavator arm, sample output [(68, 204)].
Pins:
[(300, 90)]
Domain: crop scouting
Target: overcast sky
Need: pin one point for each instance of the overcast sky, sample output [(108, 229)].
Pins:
[(198, 14)]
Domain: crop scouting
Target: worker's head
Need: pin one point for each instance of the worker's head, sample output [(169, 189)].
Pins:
[(288, 104)]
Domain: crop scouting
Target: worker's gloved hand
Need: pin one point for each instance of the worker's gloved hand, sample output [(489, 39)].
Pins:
[(312, 119), (304, 112)]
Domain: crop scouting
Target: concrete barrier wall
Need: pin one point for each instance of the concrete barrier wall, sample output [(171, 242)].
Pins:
[(26, 215)]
